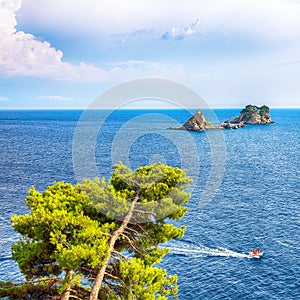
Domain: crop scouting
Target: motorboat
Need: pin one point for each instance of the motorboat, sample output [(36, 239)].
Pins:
[(256, 253)]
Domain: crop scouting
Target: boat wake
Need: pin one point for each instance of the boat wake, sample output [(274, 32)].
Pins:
[(203, 251)]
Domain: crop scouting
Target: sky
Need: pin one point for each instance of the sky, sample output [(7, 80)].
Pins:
[(63, 54)]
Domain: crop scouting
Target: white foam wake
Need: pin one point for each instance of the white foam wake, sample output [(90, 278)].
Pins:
[(201, 251)]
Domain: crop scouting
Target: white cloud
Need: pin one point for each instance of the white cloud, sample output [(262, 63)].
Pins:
[(181, 33), (7, 16), (218, 64), (268, 18), (23, 54)]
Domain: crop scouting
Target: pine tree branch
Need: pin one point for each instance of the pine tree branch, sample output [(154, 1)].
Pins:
[(120, 255), (112, 242), (32, 282), (132, 245), (75, 297), (114, 288), (117, 279), (133, 230), (144, 231)]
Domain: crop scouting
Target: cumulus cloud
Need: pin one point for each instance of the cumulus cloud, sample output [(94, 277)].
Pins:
[(181, 33), (23, 54)]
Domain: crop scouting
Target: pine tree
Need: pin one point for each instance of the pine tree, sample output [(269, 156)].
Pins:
[(101, 238), (148, 197)]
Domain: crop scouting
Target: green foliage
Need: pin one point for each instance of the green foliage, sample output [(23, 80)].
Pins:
[(145, 282), (66, 236), (264, 110), (160, 190), (28, 291), (57, 235), (253, 109)]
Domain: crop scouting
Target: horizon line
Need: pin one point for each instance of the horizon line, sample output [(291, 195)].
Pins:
[(141, 108)]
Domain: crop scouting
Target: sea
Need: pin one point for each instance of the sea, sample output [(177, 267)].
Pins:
[(245, 193)]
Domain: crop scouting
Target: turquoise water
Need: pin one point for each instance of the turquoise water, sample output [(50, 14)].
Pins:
[(256, 205)]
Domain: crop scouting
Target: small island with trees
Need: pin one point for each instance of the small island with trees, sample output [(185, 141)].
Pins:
[(253, 115), (250, 115)]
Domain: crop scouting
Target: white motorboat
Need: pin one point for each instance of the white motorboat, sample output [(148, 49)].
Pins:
[(255, 253)]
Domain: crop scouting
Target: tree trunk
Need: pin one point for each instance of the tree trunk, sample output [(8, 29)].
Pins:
[(67, 291), (112, 241)]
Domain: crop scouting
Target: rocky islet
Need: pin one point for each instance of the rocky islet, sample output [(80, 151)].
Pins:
[(250, 115)]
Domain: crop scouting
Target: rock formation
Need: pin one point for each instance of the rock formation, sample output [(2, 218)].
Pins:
[(227, 125), (252, 115), (197, 123)]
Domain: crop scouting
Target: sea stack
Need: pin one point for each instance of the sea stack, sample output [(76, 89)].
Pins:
[(197, 123), (253, 115)]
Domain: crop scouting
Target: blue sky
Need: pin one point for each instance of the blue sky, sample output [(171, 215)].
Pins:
[(63, 54)]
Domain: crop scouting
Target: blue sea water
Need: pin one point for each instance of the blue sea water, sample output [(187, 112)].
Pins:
[(256, 205)]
